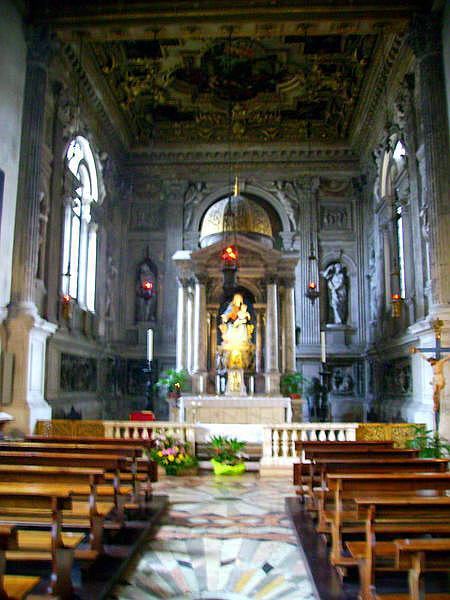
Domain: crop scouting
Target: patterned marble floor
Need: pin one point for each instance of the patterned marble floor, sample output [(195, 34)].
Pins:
[(222, 539)]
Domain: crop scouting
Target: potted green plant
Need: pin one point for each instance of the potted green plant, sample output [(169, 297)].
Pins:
[(174, 455), (291, 384), (227, 455), (173, 381), (428, 442)]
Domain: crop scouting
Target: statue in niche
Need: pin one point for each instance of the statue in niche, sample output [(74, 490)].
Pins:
[(342, 382), (337, 284), (145, 292), (110, 284), (237, 331), (193, 196)]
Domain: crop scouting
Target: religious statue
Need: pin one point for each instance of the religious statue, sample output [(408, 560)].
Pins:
[(145, 293), (438, 380), (192, 198), (337, 291), (237, 331)]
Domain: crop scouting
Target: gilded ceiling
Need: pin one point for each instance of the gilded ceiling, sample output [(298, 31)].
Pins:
[(229, 71), (289, 88)]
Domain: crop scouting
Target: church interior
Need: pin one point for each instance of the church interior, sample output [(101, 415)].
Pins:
[(228, 218)]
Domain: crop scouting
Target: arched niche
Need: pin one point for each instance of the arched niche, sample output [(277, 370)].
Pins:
[(352, 297)]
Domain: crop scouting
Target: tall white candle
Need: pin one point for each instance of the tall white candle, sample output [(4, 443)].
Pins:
[(323, 348), (200, 385), (217, 384), (149, 345), (251, 384)]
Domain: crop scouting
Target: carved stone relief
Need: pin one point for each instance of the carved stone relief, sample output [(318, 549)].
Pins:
[(335, 217), (147, 217), (397, 378)]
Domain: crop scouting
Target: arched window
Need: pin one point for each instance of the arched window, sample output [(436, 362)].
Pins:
[(393, 169), (80, 231)]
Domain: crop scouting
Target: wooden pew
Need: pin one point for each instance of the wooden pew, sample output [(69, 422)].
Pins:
[(139, 460), (12, 586), (324, 467), (303, 446), (81, 482), (346, 487), (28, 498), (117, 442), (420, 516), (111, 463)]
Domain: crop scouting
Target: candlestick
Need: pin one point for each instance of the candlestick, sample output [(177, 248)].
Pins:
[(149, 345), (323, 351)]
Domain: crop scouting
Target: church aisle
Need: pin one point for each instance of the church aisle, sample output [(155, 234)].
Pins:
[(222, 539)]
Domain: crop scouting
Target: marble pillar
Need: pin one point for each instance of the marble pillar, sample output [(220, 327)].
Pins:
[(259, 342), (289, 325), (200, 336), (27, 331), (182, 325), (426, 43), (272, 372)]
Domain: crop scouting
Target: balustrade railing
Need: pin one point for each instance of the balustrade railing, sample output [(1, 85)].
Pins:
[(137, 430), (279, 440)]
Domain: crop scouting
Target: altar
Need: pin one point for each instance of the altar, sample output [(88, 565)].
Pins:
[(262, 409)]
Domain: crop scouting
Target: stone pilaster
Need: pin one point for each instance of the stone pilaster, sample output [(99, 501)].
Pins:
[(27, 331), (200, 335), (307, 312), (26, 245), (289, 325), (182, 325), (272, 338), (425, 41), (258, 348)]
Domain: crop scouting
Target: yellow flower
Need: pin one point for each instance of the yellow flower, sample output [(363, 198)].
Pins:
[(160, 453), (181, 456), (171, 457)]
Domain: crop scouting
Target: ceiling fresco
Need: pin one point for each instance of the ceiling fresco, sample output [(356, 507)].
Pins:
[(280, 88)]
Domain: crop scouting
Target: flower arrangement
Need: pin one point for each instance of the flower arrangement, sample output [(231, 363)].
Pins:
[(173, 454), (228, 458)]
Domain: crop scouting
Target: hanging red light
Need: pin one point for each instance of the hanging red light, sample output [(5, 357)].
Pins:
[(230, 254)]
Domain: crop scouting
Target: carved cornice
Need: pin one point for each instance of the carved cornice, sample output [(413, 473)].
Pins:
[(424, 36)]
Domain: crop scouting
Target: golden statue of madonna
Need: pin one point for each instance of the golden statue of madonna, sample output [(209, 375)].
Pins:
[(237, 331)]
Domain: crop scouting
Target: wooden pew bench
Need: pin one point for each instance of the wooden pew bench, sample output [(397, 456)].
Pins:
[(396, 517), (323, 467), (145, 445), (135, 453), (346, 487), (304, 446), (12, 586), (26, 498)]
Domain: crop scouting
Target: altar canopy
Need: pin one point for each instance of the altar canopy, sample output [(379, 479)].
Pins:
[(236, 339)]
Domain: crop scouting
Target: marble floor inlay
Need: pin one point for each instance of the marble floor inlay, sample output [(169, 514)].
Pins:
[(222, 539)]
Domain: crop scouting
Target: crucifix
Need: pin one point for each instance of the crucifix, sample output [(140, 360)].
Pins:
[(437, 364)]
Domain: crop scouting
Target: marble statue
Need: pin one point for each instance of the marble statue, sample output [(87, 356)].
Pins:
[(337, 292), (237, 331)]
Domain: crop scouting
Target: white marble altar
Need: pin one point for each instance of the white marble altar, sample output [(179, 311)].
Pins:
[(235, 409)]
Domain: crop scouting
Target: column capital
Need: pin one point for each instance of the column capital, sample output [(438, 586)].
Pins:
[(271, 279), (288, 281), (184, 281), (424, 36), (201, 278)]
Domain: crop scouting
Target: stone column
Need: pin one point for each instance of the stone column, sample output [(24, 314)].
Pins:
[(425, 41), (182, 324), (289, 324), (258, 349), (27, 331), (272, 338), (200, 335)]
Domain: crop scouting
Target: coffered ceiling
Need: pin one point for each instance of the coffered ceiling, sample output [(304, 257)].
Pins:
[(211, 72)]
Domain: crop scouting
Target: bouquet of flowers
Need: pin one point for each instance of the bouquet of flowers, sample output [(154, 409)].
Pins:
[(172, 454)]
